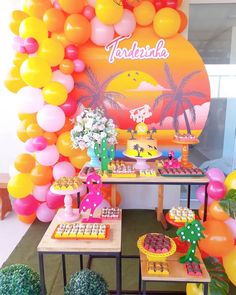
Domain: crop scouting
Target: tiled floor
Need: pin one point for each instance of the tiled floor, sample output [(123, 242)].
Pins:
[(11, 232)]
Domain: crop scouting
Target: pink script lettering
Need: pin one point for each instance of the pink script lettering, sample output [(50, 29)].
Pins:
[(136, 52)]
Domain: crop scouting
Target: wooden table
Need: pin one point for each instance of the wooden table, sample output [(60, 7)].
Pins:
[(160, 181), (101, 248), (177, 272), (5, 203)]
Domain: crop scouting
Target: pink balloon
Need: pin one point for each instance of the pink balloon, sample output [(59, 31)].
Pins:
[(39, 143), (216, 190), (71, 52), (232, 225), (63, 169), (31, 45), (92, 2), (26, 206), (89, 12), (64, 79), (48, 157), (215, 174), (40, 192), (29, 145), (200, 194), (104, 204), (101, 34), (18, 44), (51, 118), (127, 24), (44, 213), (69, 107), (29, 100), (56, 4), (79, 65), (54, 201)]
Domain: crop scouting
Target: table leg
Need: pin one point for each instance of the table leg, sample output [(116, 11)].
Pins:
[(113, 195), (42, 275), (144, 287), (63, 260), (160, 214), (205, 289), (78, 199), (81, 261), (189, 195), (205, 204), (139, 277), (118, 274)]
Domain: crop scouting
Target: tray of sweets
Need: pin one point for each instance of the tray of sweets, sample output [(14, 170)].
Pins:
[(82, 231), (111, 213), (157, 268), (181, 172), (193, 269)]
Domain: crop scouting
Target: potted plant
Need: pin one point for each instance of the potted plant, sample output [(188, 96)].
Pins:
[(91, 127), (19, 279), (86, 282)]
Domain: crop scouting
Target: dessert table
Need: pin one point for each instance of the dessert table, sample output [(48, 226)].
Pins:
[(100, 248)]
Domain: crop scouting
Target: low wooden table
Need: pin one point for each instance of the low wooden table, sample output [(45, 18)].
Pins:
[(177, 272), (5, 203), (101, 248)]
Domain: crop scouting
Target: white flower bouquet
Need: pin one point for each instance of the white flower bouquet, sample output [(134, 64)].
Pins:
[(92, 126)]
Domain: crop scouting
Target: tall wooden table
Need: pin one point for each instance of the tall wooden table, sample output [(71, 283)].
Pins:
[(101, 248)]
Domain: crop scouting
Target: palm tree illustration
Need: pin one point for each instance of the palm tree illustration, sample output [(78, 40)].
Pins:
[(96, 95), (139, 149), (178, 99)]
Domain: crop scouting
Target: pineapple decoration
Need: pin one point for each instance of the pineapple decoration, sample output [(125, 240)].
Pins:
[(191, 233), (101, 151)]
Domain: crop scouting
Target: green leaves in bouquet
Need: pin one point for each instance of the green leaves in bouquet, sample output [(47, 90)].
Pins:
[(229, 203)]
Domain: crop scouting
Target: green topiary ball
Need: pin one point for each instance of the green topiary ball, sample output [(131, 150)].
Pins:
[(86, 282), (19, 279)]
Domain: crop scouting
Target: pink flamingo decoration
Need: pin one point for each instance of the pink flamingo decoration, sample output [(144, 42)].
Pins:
[(172, 162), (93, 199)]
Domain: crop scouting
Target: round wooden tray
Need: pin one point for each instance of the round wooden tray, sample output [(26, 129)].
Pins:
[(160, 257)]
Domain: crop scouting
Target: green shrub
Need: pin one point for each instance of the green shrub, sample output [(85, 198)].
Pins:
[(19, 279), (86, 282)]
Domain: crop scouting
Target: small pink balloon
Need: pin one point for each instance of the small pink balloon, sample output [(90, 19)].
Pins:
[(44, 213), (66, 80), (40, 192), (63, 169), (39, 143), (89, 12), (101, 34), (18, 44), (216, 190), (79, 65), (69, 107), (200, 194), (48, 157), (232, 225), (71, 52), (127, 24), (29, 145), (54, 201), (104, 204), (26, 206), (31, 45), (215, 174)]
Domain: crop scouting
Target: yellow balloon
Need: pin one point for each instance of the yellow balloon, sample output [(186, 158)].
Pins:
[(20, 186), (109, 12), (36, 7), (61, 38), (166, 22), (55, 93), (17, 17), (13, 81), (19, 58), (194, 289), (52, 51), (230, 180), (144, 13), (229, 262), (79, 160), (36, 72), (64, 145), (34, 28)]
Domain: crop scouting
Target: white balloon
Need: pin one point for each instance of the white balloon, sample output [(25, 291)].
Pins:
[(40, 192), (48, 156), (66, 80), (30, 100), (101, 34), (127, 24)]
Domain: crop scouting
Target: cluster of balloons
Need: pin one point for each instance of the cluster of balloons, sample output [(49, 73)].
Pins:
[(220, 228)]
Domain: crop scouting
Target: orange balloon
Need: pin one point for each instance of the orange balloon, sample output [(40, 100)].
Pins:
[(217, 211), (201, 213), (27, 218), (54, 19), (19, 58), (16, 18), (31, 118), (218, 240), (33, 130), (24, 163), (179, 3), (79, 160), (67, 127), (51, 137), (36, 7), (77, 29), (41, 175), (72, 6), (21, 130), (67, 66), (183, 21), (64, 145), (61, 38)]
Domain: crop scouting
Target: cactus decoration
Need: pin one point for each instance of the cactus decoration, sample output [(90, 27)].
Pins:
[(102, 151)]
